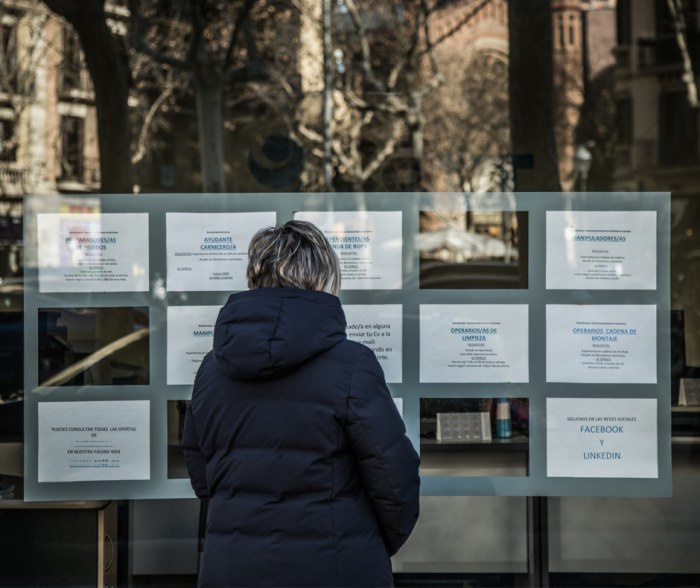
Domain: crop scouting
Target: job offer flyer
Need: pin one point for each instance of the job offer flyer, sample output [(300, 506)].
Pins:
[(379, 327), (601, 250), (209, 251), (86, 441), (602, 438), (190, 338), (474, 343), (368, 244), (92, 252), (601, 344)]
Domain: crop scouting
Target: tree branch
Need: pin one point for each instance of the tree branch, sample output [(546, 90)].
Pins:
[(409, 59), (140, 151), (364, 46), (197, 30), (242, 15), (139, 42), (676, 10), (254, 70), (381, 156)]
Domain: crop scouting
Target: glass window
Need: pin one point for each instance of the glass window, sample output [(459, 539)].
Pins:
[(8, 46), (73, 148), (450, 100), (678, 130), (72, 66), (8, 141)]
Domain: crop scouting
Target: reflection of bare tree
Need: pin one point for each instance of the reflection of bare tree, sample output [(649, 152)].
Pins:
[(467, 122), (384, 69), (93, 359), (213, 46), (110, 81), (677, 11)]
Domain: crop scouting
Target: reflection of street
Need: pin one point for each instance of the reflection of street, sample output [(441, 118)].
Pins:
[(475, 275), (468, 249), (99, 346), (458, 246), (11, 339), (84, 364)]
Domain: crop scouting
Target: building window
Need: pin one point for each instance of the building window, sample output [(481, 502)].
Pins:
[(624, 22), (8, 143), (624, 121), (560, 32), (572, 30), (678, 130), (667, 51), (72, 145), (664, 21), (8, 59), (72, 60)]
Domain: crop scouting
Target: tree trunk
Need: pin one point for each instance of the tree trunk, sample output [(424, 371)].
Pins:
[(210, 104), (111, 85), (309, 113), (531, 96)]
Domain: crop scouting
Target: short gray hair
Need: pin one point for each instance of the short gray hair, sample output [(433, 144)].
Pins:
[(293, 255)]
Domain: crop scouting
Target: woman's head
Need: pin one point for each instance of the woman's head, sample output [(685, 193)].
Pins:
[(294, 255)]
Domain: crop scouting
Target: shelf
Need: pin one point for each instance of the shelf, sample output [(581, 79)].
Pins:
[(517, 442), (685, 440), (15, 500), (691, 409)]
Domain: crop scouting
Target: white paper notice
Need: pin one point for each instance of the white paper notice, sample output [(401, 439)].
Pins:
[(602, 438), (209, 251), (602, 344), (190, 338), (89, 441), (596, 250), (380, 327), (474, 343), (368, 244), (93, 252)]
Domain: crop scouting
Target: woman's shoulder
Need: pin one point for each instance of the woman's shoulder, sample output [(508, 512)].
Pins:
[(354, 350), (356, 357)]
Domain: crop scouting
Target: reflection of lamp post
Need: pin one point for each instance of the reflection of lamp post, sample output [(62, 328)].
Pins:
[(327, 97), (582, 165)]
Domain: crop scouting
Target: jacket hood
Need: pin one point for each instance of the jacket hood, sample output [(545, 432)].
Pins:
[(266, 333)]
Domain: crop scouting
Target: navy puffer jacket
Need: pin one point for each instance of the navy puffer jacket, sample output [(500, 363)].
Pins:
[(294, 440)]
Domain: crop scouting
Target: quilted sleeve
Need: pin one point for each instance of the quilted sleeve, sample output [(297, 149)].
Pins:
[(387, 461), (194, 460)]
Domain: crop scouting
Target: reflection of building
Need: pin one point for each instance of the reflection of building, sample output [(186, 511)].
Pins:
[(48, 118), (471, 249), (658, 132), (468, 122), (657, 125), (48, 122), (468, 235), (567, 57)]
